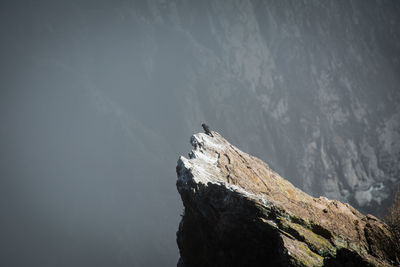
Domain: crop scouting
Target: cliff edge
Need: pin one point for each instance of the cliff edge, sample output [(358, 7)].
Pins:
[(239, 212)]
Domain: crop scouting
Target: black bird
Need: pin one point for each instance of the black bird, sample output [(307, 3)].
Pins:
[(207, 130)]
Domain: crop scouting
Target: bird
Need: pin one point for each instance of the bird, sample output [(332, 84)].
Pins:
[(207, 129)]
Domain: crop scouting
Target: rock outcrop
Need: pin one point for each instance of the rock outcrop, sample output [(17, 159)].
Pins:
[(239, 212)]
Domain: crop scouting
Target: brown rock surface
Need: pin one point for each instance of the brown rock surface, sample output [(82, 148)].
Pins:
[(239, 212)]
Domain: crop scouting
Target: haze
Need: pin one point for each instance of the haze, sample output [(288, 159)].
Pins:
[(99, 99)]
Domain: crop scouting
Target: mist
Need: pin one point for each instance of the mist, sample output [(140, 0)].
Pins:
[(99, 98)]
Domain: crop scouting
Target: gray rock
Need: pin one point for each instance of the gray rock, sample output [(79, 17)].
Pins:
[(239, 212)]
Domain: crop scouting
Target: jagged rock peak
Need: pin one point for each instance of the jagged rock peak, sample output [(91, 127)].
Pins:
[(239, 212)]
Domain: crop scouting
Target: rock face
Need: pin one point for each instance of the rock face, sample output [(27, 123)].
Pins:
[(239, 212)]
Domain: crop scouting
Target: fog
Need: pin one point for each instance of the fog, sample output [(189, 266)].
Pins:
[(99, 98)]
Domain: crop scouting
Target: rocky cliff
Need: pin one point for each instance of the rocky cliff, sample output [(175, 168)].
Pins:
[(97, 96), (239, 212)]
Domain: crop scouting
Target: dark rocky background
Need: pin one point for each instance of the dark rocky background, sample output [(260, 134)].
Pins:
[(98, 99)]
